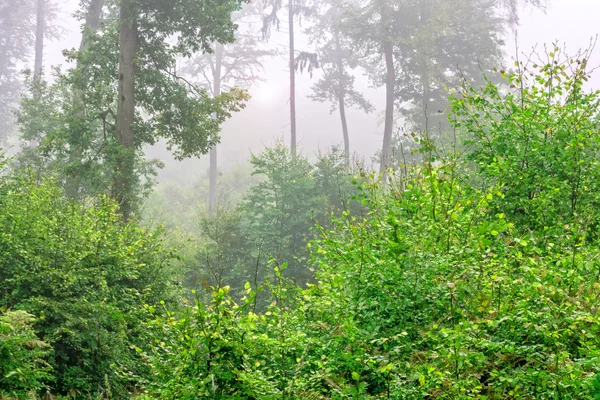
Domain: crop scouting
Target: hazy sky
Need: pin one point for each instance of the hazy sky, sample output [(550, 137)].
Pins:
[(570, 22)]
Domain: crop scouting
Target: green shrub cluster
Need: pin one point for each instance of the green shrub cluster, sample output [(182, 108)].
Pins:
[(23, 365), (86, 278), (474, 274)]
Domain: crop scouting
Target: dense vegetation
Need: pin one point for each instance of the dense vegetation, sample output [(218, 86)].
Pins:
[(466, 267), (471, 272)]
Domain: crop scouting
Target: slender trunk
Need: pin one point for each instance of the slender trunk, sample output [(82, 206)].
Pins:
[(344, 129), (342, 97), (425, 78), (39, 55), (5, 94), (389, 107), (39, 38), (292, 79), (212, 193), (125, 157), (92, 22)]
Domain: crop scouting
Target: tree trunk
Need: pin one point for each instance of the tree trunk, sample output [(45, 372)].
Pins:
[(344, 128), (292, 79), (212, 193), (425, 78), (125, 157), (92, 22), (39, 38), (341, 98), (39, 54), (389, 107)]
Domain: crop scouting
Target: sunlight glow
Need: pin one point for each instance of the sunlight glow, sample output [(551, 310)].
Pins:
[(265, 93)]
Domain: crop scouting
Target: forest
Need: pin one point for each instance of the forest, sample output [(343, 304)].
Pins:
[(461, 260)]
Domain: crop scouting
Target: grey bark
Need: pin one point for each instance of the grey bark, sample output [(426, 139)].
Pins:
[(212, 193), (344, 129), (39, 38), (128, 46), (92, 22), (39, 52), (292, 79), (389, 106), (341, 99)]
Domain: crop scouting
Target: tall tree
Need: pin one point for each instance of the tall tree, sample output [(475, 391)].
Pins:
[(45, 28), (336, 57), (128, 48), (452, 41), (143, 28), (45, 15), (153, 102), (375, 26), (17, 24), (414, 47), (271, 19), (238, 64), (39, 37), (92, 18)]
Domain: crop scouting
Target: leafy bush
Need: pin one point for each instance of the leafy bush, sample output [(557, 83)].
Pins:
[(86, 276), (471, 276), (23, 366)]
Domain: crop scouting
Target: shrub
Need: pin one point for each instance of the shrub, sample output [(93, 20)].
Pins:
[(23, 366), (86, 276)]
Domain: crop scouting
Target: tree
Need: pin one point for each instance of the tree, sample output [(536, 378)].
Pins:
[(39, 37), (237, 64), (375, 26), (16, 39), (146, 61), (46, 12), (91, 25), (418, 42), (280, 210), (110, 115), (86, 277), (271, 19), (336, 86), (535, 137), (452, 41)]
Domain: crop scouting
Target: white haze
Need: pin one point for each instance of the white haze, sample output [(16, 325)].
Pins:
[(266, 117)]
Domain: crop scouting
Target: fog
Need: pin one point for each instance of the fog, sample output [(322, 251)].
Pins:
[(266, 117), (430, 229)]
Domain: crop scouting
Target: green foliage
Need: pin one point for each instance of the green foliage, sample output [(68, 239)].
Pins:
[(23, 366), (334, 183), (74, 118), (235, 243), (86, 277), (473, 274), (76, 146), (226, 350), (279, 211), (538, 140), (442, 290)]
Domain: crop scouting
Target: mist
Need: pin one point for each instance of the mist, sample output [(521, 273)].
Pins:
[(266, 117), (301, 199)]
